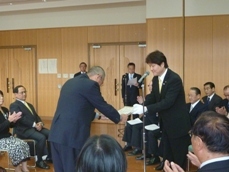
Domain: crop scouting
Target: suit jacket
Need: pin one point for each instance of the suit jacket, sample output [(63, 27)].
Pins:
[(24, 126), (131, 91), (215, 101), (75, 111), (170, 105), (220, 166), (196, 111), (77, 74)]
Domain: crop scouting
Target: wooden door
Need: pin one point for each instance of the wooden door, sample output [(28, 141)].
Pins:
[(18, 68), (108, 58), (114, 60)]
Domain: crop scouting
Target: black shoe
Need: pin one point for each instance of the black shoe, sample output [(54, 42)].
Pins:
[(154, 160), (42, 165), (135, 152), (141, 157), (160, 166), (48, 159), (127, 148)]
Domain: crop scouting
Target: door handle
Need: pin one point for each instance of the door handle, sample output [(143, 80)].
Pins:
[(115, 87)]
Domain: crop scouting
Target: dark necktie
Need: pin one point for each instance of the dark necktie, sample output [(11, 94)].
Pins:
[(208, 100)]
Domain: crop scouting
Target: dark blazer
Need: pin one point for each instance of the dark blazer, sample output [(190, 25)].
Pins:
[(170, 105), (4, 124), (220, 166), (24, 126), (215, 101), (75, 111), (196, 111), (224, 103), (131, 91), (77, 74)]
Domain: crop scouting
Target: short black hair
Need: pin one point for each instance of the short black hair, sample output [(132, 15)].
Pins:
[(157, 57), (101, 154), (83, 63), (15, 90), (1, 93), (211, 84), (213, 129), (131, 64), (197, 90)]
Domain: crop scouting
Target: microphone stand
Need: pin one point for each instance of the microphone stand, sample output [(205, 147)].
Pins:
[(143, 130), (125, 98)]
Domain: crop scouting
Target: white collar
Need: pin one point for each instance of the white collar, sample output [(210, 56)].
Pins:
[(210, 97), (194, 104), (214, 160), (163, 75)]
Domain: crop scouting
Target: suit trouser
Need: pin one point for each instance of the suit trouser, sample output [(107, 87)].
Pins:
[(176, 149), (64, 158), (152, 142), (40, 137)]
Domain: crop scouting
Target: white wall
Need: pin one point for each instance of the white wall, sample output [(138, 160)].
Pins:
[(173, 8), (75, 16)]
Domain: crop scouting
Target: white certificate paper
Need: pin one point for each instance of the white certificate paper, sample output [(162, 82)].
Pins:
[(132, 81)]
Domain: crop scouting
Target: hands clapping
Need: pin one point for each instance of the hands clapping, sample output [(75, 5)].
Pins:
[(14, 116)]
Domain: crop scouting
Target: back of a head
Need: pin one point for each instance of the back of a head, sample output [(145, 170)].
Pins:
[(96, 70), (101, 154), (213, 129)]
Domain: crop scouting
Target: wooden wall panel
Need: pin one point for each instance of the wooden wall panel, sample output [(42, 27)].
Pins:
[(74, 49), (103, 34), (166, 35), (48, 47), (198, 52), (133, 33), (24, 37), (220, 60), (5, 38)]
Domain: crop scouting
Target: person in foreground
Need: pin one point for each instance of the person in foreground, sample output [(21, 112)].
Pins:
[(18, 149), (101, 154), (75, 111), (210, 142)]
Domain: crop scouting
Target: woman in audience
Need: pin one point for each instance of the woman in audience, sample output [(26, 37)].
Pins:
[(101, 154), (18, 150)]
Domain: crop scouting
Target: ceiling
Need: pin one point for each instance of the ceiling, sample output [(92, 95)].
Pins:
[(23, 5)]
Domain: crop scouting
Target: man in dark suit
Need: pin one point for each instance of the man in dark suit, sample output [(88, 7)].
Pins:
[(195, 107), (211, 98), (129, 96), (168, 99), (210, 142), (30, 126), (130, 92), (223, 108), (74, 113), (83, 68)]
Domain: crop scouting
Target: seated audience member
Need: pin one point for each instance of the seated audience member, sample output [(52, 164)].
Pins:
[(223, 108), (83, 68), (210, 142), (30, 126), (133, 133), (195, 107), (211, 98), (18, 149), (101, 154)]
